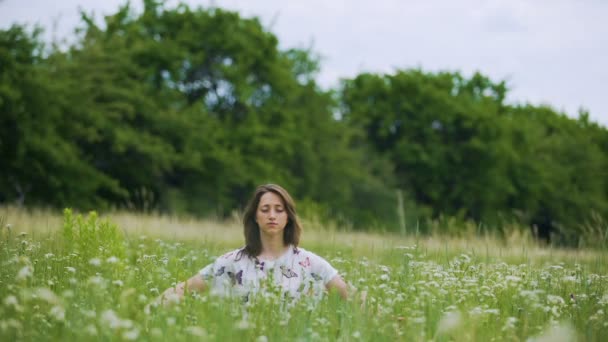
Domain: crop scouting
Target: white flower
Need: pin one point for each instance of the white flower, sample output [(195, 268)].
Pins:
[(242, 325), (91, 330), (112, 260), (510, 323), (450, 321), (552, 299), (110, 319), (96, 280), (196, 331), (24, 273), (569, 279), (47, 295), (419, 320), (11, 301), (70, 269), (58, 313), (118, 283), (131, 335), (95, 262), (492, 311), (513, 279), (556, 333)]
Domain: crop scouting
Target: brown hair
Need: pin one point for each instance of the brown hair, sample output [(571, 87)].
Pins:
[(293, 229)]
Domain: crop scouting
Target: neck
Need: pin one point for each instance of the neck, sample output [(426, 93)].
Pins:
[(272, 246)]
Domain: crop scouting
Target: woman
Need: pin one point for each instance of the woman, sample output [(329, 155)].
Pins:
[(271, 256)]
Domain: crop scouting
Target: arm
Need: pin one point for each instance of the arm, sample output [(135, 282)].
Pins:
[(337, 284), (174, 294)]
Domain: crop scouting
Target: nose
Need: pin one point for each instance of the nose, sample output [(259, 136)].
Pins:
[(272, 214)]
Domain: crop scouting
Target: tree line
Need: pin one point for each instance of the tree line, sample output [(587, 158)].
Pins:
[(184, 110)]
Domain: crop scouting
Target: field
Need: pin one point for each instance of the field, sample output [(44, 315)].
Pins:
[(75, 277)]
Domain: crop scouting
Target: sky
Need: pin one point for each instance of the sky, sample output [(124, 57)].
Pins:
[(552, 52)]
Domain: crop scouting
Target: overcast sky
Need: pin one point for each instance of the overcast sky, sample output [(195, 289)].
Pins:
[(549, 51)]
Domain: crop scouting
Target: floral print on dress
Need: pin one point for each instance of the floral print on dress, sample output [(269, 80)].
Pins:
[(298, 272), (236, 278), (287, 272), (305, 262), (316, 277), (220, 271), (259, 264)]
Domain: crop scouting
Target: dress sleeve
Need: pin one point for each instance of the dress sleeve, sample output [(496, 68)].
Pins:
[(218, 269), (208, 271), (321, 269)]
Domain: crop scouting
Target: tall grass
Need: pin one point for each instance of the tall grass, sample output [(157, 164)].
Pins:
[(90, 277)]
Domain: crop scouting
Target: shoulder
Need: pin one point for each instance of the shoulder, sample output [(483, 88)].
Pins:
[(237, 255), (303, 254)]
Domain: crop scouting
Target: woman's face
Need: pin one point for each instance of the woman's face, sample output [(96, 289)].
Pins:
[(271, 215)]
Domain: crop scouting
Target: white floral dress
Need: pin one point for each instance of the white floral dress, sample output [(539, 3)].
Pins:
[(293, 274)]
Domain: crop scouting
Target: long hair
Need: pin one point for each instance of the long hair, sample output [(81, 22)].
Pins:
[(293, 228)]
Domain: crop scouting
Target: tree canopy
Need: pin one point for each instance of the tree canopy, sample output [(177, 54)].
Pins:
[(186, 110)]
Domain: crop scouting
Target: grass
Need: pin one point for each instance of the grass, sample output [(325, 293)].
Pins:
[(85, 277)]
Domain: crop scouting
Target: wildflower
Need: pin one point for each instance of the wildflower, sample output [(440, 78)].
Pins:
[(196, 331), (510, 323), (552, 299), (49, 255), (556, 333), (47, 295), (95, 262), (242, 325), (96, 280), (513, 279), (492, 311), (450, 321), (70, 269), (24, 273), (419, 320), (118, 283), (569, 279), (57, 312), (112, 260), (11, 301), (262, 339), (131, 335), (91, 330)]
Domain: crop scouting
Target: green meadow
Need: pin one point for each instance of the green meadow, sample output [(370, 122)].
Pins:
[(82, 277)]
